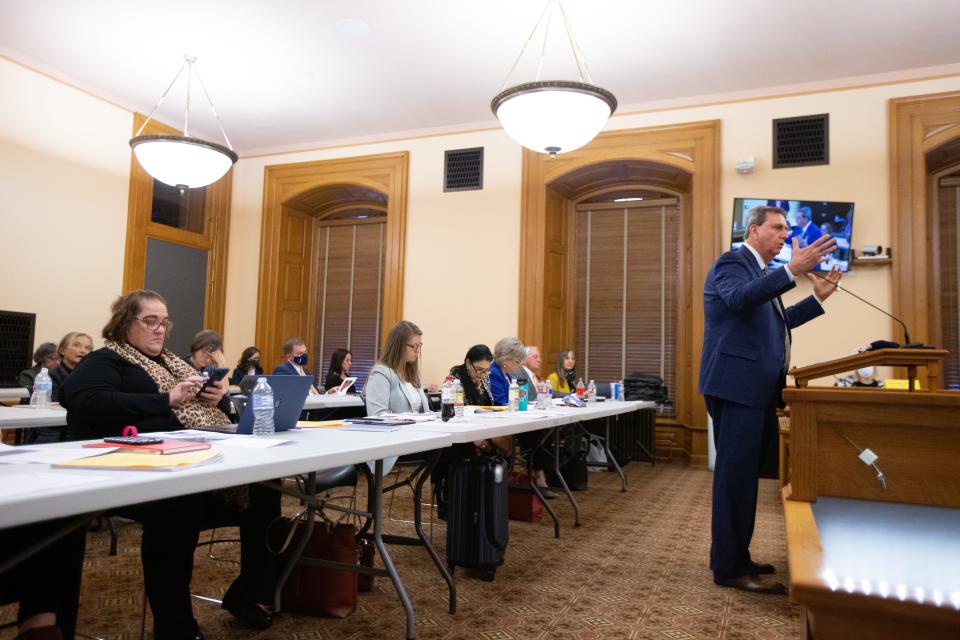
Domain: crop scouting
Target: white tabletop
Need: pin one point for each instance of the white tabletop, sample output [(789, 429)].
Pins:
[(21, 502), (325, 401), (504, 423), (14, 393), (24, 417)]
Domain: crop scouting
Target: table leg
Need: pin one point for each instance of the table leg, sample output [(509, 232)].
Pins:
[(555, 433), (418, 525), (376, 509), (610, 456)]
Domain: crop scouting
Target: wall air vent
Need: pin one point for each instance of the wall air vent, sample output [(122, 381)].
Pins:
[(802, 141), (463, 169)]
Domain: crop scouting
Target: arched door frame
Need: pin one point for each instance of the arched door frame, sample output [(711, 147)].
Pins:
[(694, 148), (281, 310), (918, 125)]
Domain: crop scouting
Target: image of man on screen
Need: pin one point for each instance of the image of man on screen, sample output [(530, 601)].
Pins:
[(745, 357), (805, 231)]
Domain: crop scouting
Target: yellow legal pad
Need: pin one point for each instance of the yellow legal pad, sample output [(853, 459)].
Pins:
[(123, 460), (321, 424)]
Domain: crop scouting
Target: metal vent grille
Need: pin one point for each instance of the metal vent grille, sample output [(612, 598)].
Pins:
[(16, 345), (463, 169), (802, 141)]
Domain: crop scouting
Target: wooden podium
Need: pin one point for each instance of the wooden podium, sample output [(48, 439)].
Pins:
[(834, 496)]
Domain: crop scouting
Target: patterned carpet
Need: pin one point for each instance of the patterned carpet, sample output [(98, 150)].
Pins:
[(637, 568)]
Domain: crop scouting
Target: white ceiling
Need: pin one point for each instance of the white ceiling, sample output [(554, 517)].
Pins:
[(283, 76)]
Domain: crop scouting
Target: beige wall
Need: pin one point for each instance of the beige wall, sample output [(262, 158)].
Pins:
[(448, 232), (64, 165)]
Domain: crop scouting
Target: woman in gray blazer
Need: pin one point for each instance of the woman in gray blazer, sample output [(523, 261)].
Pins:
[(394, 382)]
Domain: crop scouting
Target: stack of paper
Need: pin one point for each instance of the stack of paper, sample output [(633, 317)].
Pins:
[(137, 461)]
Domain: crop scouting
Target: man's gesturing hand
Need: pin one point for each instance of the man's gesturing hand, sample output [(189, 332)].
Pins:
[(807, 258)]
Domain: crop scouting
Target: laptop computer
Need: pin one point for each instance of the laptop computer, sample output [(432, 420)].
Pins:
[(289, 394)]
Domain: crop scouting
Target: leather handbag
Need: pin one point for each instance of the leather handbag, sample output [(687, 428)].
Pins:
[(524, 504), (318, 591)]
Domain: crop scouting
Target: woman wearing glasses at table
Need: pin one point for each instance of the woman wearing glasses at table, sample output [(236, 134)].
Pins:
[(135, 380), (394, 382), (474, 376)]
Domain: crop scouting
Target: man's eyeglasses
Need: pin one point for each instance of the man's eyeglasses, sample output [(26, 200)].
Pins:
[(155, 322), (415, 347)]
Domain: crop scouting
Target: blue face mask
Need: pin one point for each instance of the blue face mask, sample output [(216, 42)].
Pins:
[(301, 359)]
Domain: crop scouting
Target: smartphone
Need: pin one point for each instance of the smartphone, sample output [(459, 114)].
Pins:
[(135, 441), (214, 376)]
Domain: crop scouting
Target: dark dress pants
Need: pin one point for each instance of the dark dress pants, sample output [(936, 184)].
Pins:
[(744, 437), (49, 580), (171, 529)]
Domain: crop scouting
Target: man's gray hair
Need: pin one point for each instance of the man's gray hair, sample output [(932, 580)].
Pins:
[(509, 349), (757, 216)]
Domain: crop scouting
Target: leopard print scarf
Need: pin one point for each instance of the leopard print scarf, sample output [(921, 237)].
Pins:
[(192, 413)]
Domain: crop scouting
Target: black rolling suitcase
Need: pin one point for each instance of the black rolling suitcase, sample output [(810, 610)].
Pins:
[(477, 522)]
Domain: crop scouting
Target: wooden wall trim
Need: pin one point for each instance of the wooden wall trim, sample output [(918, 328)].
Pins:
[(214, 239), (693, 148), (386, 173), (914, 122)]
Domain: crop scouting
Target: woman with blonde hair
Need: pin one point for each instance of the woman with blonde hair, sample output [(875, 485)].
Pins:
[(394, 382), (72, 349)]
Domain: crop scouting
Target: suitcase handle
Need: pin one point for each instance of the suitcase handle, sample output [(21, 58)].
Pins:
[(491, 528)]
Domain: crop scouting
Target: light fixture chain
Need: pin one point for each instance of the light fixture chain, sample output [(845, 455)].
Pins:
[(160, 101), (546, 36), (186, 117), (526, 44), (575, 47), (206, 94)]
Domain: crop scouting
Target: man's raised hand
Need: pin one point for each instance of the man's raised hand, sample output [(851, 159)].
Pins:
[(806, 259)]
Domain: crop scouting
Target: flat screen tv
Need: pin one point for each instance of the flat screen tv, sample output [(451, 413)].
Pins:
[(815, 216)]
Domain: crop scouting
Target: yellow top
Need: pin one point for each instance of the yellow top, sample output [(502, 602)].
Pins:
[(558, 384)]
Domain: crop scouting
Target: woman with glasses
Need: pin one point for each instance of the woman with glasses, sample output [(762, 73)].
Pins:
[(474, 376), (508, 354), (135, 380), (394, 382), (206, 349)]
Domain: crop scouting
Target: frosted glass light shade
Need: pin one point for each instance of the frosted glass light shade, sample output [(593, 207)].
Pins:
[(553, 116), (180, 160)]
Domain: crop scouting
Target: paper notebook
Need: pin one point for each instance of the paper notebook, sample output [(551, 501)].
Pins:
[(378, 425), (320, 424), (136, 461), (165, 448)]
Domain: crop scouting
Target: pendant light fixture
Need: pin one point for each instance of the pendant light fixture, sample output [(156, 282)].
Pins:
[(183, 161), (553, 116)]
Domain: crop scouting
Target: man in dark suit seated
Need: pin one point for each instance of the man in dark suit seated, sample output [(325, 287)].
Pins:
[(745, 357), (295, 351), (805, 231)]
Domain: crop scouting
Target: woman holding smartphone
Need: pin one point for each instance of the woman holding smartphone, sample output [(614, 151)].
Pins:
[(135, 380)]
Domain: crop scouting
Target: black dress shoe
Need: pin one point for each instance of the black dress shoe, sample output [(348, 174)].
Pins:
[(754, 584), (249, 613), (762, 569)]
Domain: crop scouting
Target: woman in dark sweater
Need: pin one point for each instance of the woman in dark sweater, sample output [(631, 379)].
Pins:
[(474, 376), (134, 380), (73, 348), (249, 365), (340, 362)]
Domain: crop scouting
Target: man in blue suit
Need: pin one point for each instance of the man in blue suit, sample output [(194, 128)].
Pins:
[(805, 231), (296, 352), (746, 353)]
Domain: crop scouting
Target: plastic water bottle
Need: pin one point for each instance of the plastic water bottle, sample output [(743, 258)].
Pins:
[(447, 399), (458, 397), (513, 396), (262, 401), (580, 388), (42, 388), (620, 390), (591, 391)]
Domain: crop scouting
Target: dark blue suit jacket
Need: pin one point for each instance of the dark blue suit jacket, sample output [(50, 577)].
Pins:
[(286, 368), (807, 237), (743, 342)]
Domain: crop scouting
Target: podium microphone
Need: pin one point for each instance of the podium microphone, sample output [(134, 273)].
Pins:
[(882, 343)]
